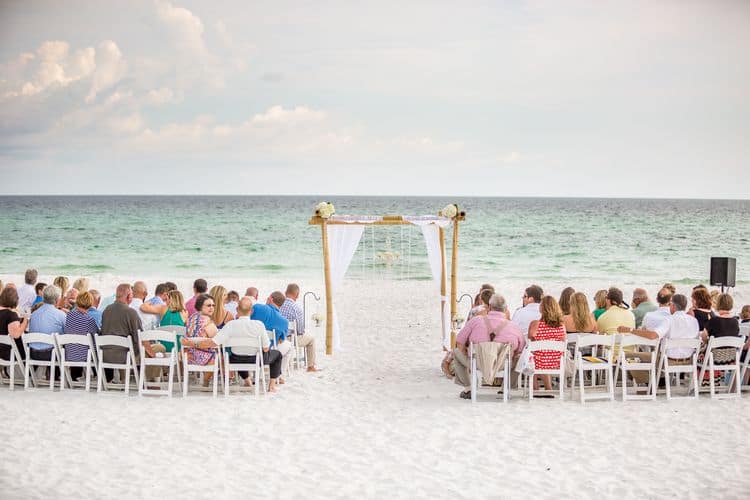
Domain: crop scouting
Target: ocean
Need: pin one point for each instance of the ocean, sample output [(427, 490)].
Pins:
[(515, 239)]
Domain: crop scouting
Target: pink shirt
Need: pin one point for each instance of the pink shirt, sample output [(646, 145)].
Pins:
[(190, 306), (475, 331)]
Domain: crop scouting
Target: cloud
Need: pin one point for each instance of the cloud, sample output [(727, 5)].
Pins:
[(110, 68), (186, 29), (300, 114)]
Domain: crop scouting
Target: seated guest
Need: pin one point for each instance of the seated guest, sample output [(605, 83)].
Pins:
[(252, 292), (170, 286), (701, 306), (292, 311), (530, 311), (174, 315), (669, 286), (232, 299), (200, 287), (200, 326), (245, 327), (681, 326), (565, 299), (641, 305), (548, 327), (70, 300), (580, 319), (220, 316), (63, 284), (655, 325), (81, 284), (47, 319), (481, 303), (26, 293), (174, 312), (80, 322), (600, 303), (38, 289), (745, 314), (140, 292), (94, 310), (120, 319), (723, 324), (154, 308), (271, 317), (10, 323), (616, 315), (494, 327)]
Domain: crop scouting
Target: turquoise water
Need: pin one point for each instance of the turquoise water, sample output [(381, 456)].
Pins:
[(531, 239)]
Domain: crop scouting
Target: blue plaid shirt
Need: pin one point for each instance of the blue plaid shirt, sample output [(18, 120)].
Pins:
[(293, 312)]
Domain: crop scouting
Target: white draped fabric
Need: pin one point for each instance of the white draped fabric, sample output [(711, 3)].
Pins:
[(343, 240), (431, 232)]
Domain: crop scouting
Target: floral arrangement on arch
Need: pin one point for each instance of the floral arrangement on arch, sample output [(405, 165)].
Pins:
[(449, 211), (325, 209)]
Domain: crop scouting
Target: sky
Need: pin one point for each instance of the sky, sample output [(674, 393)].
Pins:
[(514, 98)]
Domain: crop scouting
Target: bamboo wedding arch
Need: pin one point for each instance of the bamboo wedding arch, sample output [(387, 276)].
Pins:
[(393, 220)]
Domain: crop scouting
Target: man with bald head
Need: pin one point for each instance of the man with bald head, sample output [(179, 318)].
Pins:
[(252, 292), (641, 305), (120, 319)]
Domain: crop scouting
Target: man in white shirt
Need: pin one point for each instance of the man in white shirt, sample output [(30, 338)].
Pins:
[(530, 310), (27, 293), (244, 327), (655, 326), (140, 291), (681, 326)]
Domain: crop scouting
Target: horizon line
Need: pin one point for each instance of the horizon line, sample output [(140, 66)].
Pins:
[(225, 195)]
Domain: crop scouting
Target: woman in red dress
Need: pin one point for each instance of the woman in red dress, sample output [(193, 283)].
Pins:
[(549, 327)]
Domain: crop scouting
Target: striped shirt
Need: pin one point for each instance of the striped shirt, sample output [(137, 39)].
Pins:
[(78, 323)]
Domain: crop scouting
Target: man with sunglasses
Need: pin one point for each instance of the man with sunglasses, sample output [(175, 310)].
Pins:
[(530, 311)]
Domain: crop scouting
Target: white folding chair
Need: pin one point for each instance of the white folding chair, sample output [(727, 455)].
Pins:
[(14, 361), (169, 360), (210, 368), (272, 337), (300, 353), (258, 367), (626, 366), (39, 338), (180, 332), (548, 345), (64, 340), (118, 342), (708, 364), (475, 375), (593, 364), (677, 370), (745, 334)]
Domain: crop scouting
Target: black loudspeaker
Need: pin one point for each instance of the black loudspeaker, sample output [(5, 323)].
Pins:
[(723, 271)]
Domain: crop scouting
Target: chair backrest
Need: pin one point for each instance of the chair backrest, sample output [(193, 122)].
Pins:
[(744, 329), (36, 337), (716, 342), (158, 335), (682, 343), (246, 342), (272, 336), (594, 339), (630, 340), (292, 327), (572, 337), (114, 341), (64, 339), (6, 340), (548, 345), (176, 329)]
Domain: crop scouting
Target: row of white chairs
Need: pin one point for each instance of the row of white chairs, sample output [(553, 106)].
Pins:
[(168, 361), (613, 369)]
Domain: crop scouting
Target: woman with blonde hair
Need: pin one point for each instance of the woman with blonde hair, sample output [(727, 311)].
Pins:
[(600, 300), (549, 327), (81, 284), (580, 319), (221, 316), (565, 299), (63, 284)]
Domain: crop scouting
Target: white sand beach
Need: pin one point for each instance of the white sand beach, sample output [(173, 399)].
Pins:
[(379, 421)]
